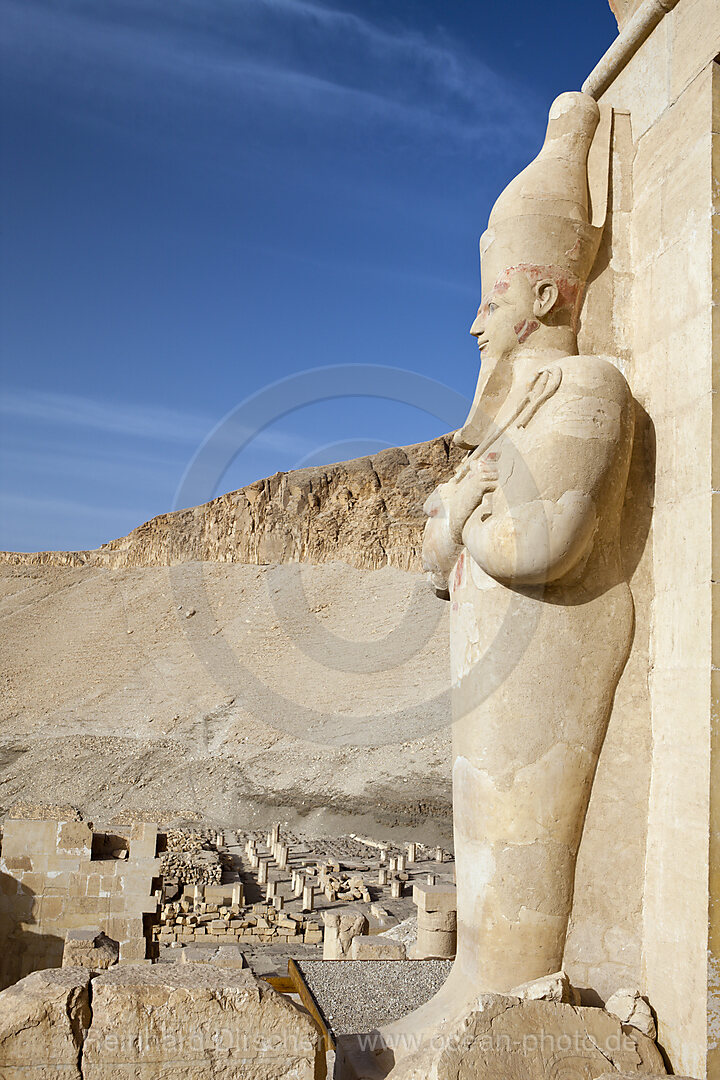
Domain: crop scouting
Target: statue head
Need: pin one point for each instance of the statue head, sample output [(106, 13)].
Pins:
[(542, 238), (525, 305)]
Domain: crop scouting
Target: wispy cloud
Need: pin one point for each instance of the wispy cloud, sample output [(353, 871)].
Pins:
[(268, 49), (123, 418), (39, 504), (54, 443), (133, 420), (404, 43)]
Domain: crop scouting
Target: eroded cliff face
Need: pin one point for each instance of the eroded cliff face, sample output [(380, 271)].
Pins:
[(366, 512)]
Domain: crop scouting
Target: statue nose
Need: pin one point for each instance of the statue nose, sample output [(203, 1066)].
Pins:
[(478, 325)]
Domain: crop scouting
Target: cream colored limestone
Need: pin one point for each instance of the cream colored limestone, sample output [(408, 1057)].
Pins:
[(341, 928), (50, 883), (525, 538), (663, 231), (199, 1020), (42, 1025), (556, 987), (436, 921), (89, 949), (500, 1037), (631, 1008), (375, 947), (174, 1021)]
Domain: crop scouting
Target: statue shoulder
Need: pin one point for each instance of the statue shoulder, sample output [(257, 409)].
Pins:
[(596, 374), (593, 401)]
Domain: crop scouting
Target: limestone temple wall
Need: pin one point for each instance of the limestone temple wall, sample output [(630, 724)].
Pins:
[(647, 881), (60, 875)]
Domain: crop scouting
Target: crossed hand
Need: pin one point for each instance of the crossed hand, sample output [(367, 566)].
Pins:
[(460, 496)]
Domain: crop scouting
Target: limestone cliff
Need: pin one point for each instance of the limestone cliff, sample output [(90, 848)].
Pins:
[(366, 512)]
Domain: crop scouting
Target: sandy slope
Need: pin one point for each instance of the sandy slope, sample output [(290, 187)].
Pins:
[(294, 686)]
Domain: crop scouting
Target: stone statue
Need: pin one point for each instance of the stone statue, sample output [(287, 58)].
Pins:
[(524, 542)]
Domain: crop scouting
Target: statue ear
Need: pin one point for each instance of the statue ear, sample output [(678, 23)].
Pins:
[(546, 294)]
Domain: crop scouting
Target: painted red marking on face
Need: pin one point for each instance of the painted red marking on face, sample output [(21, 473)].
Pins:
[(569, 287), (525, 328), (492, 456), (434, 512), (459, 571)]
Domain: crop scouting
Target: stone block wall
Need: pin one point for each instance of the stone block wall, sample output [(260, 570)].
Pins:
[(648, 880), (50, 883)]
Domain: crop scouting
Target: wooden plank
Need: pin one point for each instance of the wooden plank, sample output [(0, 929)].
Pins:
[(282, 983), (305, 994)]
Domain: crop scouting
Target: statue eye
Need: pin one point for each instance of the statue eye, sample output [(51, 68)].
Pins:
[(491, 308)]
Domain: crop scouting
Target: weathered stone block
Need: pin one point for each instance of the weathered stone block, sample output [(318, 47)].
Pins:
[(180, 1010), (51, 908), (42, 1018), (437, 920), (229, 956), (218, 894), (143, 841), (438, 944), (341, 927), (125, 926), (91, 949), (27, 837), (556, 987), (132, 950), (376, 948), (93, 885), (88, 905), (441, 897), (75, 838), (32, 882), (140, 902), (631, 1008), (62, 864), (499, 1037), (16, 863)]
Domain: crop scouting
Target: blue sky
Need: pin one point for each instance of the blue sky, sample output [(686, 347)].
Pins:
[(202, 197)]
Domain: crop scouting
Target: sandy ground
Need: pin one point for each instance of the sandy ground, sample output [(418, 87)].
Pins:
[(315, 694)]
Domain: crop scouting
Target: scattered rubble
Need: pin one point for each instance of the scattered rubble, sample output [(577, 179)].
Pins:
[(631, 1008)]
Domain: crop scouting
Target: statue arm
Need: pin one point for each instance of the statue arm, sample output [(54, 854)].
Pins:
[(440, 548), (542, 523), (448, 508), (535, 543)]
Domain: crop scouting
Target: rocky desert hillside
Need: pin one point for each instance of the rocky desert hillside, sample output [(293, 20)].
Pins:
[(272, 653), (366, 512)]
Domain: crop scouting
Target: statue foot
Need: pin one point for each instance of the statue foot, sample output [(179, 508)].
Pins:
[(373, 1055), (463, 1031)]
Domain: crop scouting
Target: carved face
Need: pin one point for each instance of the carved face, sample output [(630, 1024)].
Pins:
[(511, 313), (504, 316)]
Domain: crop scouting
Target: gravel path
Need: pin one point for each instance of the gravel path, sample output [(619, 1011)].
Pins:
[(356, 996)]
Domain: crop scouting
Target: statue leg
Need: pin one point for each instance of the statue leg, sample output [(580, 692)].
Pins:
[(524, 761)]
